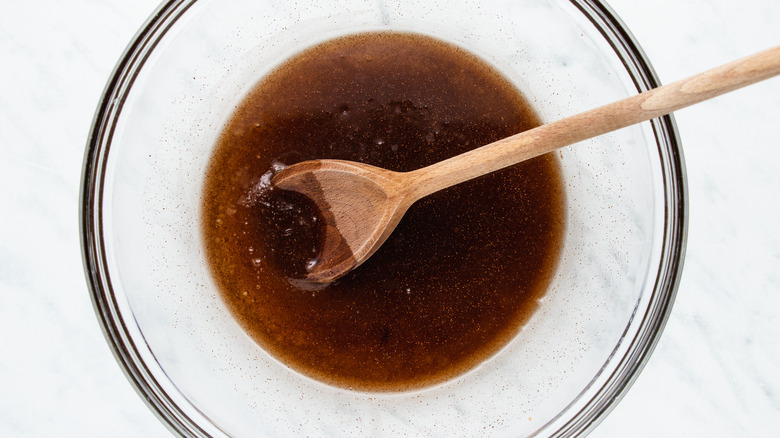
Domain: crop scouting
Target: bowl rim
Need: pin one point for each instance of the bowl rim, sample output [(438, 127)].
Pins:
[(154, 394)]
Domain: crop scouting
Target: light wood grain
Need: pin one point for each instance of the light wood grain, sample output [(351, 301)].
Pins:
[(362, 204)]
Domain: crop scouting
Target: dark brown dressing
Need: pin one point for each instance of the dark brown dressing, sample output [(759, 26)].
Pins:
[(464, 269)]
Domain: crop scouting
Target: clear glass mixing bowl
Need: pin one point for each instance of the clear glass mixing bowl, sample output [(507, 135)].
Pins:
[(153, 133)]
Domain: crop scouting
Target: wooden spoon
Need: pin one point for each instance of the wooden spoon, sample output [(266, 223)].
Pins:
[(362, 204)]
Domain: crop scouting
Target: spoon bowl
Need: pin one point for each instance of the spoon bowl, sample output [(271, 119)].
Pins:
[(360, 204)]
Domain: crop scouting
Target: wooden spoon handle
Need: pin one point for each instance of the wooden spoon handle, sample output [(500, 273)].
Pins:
[(547, 138)]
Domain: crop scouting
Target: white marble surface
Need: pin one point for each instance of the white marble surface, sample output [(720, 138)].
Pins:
[(714, 373)]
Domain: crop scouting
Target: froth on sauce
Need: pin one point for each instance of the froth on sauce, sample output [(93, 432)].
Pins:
[(464, 269)]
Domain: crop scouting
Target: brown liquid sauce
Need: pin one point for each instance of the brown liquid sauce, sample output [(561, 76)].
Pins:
[(464, 269)]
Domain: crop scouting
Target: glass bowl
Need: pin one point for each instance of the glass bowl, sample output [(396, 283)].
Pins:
[(166, 103)]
